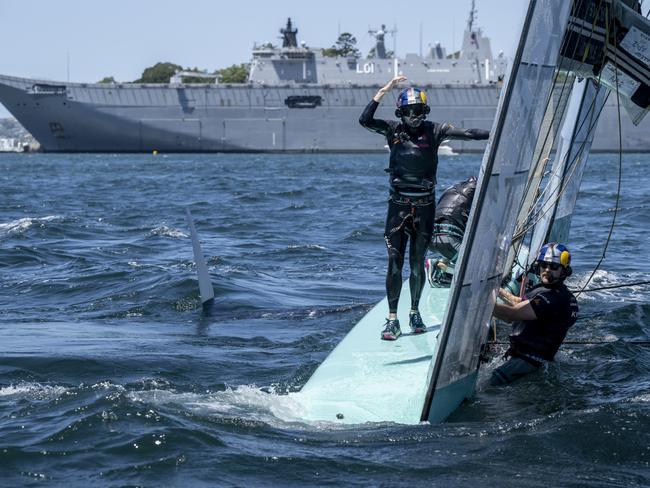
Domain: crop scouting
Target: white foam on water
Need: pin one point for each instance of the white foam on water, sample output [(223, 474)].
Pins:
[(32, 391), (316, 247), (247, 402), (164, 231), (21, 225), (609, 278), (643, 398)]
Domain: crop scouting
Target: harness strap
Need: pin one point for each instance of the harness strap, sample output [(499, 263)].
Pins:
[(414, 201)]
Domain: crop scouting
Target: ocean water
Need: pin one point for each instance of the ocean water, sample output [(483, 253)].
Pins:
[(112, 375)]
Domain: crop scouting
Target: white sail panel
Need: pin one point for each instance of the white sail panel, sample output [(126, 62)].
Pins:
[(504, 173), (543, 218), (591, 104), (550, 127)]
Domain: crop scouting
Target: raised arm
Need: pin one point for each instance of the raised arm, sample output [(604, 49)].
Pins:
[(367, 118)]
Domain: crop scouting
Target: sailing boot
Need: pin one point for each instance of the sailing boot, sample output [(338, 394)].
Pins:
[(391, 330), (415, 321)]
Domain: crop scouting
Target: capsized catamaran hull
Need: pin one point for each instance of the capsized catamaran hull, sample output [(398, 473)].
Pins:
[(366, 379), (426, 378)]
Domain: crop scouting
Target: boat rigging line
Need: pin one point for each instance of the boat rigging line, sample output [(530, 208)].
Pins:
[(620, 152), (536, 211), (519, 235)]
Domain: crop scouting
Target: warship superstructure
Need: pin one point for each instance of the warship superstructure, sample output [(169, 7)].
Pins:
[(297, 99)]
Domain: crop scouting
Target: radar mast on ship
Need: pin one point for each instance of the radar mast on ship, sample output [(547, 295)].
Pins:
[(472, 17), (289, 38), (379, 35)]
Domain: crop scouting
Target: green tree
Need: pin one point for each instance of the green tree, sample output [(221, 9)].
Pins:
[(237, 73), (159, 73), (331, 52), (345, 46), (373, 53), (191, 79), (107, 79)]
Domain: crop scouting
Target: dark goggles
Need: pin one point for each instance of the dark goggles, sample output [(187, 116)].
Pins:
[(551, 266), (413, 110)]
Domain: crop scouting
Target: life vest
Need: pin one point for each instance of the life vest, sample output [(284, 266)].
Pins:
[(542, 337), (413, 160)]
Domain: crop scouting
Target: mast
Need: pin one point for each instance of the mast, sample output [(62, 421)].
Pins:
[(503, 175), (380, 43), (289, 38), (472, 17)]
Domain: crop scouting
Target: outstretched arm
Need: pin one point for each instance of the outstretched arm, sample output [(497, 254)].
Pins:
[(452, 132), (367, 118)]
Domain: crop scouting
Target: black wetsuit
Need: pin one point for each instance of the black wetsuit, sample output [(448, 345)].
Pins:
[(411, 207), (451, 217)]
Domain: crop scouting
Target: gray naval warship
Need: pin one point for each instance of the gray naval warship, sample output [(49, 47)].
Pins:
[(296, 100)]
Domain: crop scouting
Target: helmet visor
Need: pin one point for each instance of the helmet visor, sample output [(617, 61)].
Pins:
[(413, 110)]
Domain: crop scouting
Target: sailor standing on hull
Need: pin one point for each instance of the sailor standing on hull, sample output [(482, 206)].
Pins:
[(413, 144)]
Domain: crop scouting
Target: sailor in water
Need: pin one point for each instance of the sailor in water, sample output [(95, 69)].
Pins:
[(541, 319), (413, 144), (449, 225)]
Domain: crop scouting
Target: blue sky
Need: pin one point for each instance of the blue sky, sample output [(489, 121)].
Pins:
[(120, 38)]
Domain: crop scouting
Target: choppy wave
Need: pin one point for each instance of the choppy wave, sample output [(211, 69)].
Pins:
[(21, 225), (32, 391), (605, 278), (112, 373), (164, 231)]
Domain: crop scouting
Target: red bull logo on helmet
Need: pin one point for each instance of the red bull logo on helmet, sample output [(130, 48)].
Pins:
[(411, 96), (555, 253)]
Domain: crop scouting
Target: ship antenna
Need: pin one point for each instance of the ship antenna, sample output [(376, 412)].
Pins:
[(472, 17), (289, 35), (380, 45)]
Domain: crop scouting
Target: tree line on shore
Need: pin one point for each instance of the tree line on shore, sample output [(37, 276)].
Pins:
[(345, 46), (162, 72)]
